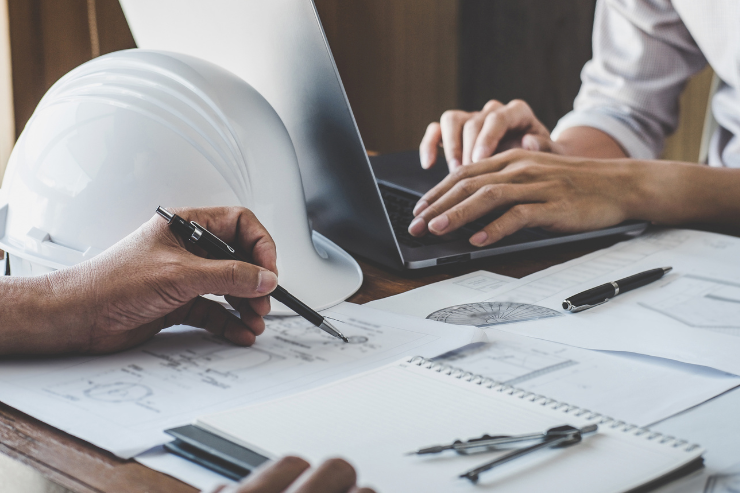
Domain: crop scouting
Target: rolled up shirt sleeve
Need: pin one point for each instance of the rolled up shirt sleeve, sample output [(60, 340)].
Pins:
[(643, 56)]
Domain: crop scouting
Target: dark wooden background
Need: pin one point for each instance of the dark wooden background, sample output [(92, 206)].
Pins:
[(48, 38), (524, 49), (403, 62)]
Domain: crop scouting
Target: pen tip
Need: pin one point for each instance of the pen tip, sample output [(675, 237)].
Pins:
[(345, 339), (666, 270)]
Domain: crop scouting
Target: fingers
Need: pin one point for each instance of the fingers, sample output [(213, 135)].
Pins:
[(516, 116), (429, 144), (459, 210), (260, 306), (231, 277), (333, 476), (213, 317), (470, 132), (491, 165), (452, 122), (518, 217), (275, 478), (238, 227)]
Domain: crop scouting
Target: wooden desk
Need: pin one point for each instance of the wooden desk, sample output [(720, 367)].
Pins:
[(83, 468)]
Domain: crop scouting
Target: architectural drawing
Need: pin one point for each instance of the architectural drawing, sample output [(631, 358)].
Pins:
[(725, 482), (204, 368), (509, 363), (480, 283), (699, 302), (118, 392)]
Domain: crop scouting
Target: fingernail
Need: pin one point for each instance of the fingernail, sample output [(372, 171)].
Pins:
[(266, 282), (426, 160), (417, 226), (530, 143), (420, 206), (479, 238), (478, 154), (439, 223), (453, 164)]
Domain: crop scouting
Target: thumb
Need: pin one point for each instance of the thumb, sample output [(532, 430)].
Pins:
[(539, 143), (234, 278)]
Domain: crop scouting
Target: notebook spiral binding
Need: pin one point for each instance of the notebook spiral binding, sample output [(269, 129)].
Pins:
[(600, 419)]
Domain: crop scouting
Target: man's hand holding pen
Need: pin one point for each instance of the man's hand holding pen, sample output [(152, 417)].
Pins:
[(163, 289)]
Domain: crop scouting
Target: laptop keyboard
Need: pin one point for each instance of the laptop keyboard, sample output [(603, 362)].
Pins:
[(400, 207)]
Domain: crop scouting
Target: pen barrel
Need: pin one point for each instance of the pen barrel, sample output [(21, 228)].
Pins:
[(297, 306), (593, 295), (639, 280), (217, 248)]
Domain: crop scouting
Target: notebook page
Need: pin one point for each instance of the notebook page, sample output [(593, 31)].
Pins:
[(373, 419)]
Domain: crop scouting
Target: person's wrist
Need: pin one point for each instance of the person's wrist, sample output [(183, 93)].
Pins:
[(635, 191), (68, 309), (35, 318)]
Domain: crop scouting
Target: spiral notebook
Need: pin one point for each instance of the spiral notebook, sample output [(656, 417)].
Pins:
[(375, 418)]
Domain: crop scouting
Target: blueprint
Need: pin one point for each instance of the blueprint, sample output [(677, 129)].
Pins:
[(636, 389), (699, 302), (691, 315), (123, 402), (421, 302), (724, 482)]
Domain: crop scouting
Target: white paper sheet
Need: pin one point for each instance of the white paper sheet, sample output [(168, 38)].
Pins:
[(123, 402), (716, 426), (633, 388), (422, 301), (640, 389), (692, 315), (376, 418)]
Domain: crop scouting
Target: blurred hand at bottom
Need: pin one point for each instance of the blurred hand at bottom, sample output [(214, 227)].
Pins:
[(333, 476)]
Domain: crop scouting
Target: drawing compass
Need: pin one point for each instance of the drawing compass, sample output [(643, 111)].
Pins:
[(479, 445), (561, 436)]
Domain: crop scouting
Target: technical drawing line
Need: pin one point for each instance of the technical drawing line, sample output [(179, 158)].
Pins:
[(721, 298), (540, 372)]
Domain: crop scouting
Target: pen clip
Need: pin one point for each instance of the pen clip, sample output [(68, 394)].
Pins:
[(200, 230), (576, 309)]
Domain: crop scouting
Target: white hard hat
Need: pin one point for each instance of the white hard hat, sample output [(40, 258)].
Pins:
[(129, 131)]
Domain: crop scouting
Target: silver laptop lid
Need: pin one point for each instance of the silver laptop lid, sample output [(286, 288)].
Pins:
[(279, 47)]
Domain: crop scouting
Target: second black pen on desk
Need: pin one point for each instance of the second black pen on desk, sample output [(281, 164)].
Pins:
[(601, 294), (217, 248)]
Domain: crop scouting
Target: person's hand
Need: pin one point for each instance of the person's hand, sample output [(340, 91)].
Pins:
[(333, 476), (152, 279), (557, 193), (468, 137)]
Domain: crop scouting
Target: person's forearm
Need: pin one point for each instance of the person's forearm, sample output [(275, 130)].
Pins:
[(589, 142), (670, 192), (34, 318)]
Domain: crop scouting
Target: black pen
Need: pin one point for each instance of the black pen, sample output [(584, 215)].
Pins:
[(198, 235), (602, 294)]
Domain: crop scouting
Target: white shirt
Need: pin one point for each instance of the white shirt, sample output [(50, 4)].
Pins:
[(644, 51)]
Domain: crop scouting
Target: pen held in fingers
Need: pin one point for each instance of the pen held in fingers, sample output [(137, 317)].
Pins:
[(217, 248)]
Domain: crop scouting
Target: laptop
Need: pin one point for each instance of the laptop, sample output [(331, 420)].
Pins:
[(361, 203)]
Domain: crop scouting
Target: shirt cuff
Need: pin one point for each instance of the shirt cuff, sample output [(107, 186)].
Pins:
[(632, 144)]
